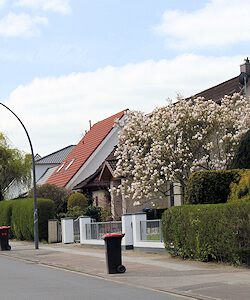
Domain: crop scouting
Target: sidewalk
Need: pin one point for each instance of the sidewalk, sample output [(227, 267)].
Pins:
[(160, 272)]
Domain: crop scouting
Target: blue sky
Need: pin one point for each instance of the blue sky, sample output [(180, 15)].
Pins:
[(65, 62)]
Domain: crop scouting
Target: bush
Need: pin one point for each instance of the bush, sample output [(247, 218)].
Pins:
[(106, 213), (208, 232), (5, 214), (241, 191), (210, 187), (57, 194), (77, 199), (241, 158), (94, 212), (19, 215)]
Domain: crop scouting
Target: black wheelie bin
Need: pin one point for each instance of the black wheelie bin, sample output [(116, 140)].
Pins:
[(4, 238), (114, 253)]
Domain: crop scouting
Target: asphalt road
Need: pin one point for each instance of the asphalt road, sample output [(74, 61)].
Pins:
[(27, 280)]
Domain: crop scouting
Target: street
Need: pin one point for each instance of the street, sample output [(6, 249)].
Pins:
[(28, 280)]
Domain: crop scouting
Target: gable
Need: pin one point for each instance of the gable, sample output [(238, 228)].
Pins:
[(71, 167)]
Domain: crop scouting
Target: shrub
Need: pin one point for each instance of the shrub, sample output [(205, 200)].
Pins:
[(57, 194), (210, 187), (241, 191), (208, 232), (46, 209), (19, 215), (94, 212), (22, 221), (77, 199), (241, 158), (106, 213), (74, 213), (5, 214)]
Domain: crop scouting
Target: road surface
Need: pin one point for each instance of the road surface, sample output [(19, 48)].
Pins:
[(22, 279)]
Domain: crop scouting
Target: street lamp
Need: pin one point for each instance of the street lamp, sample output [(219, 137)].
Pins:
[(34, 180)]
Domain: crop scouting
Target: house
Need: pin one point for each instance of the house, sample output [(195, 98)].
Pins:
[(83, 161), (44, 167), (45, 164), (95, 189)]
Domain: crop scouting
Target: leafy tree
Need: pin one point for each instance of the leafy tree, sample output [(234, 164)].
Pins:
[(241, 158), (14, 164), (77, 199), (174, 141), (57, 194)]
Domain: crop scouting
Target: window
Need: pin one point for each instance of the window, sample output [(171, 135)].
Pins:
[(171, 194), (60, 167), (69, 165)]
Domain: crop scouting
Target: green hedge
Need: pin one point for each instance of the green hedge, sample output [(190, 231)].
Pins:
[(240, 191), (5, 214), (19, 215), (210, 187), (218, 232)]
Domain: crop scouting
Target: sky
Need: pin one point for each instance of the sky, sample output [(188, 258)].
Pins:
[(65, 62)]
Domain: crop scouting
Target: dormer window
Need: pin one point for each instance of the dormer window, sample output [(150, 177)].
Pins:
[(60, 167), (69, 165)]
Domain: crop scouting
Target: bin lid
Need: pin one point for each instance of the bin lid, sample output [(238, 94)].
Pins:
[(5, 227), (113, 235)]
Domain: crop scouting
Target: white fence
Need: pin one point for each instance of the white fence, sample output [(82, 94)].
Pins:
[(139, 232), (96, 230)]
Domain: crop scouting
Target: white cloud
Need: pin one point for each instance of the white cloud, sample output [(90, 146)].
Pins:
[(57, 110), (219, 23), (2, 2), (61, 6), (14, 25)]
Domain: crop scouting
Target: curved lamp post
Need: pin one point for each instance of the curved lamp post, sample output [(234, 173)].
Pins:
[(34, 180)]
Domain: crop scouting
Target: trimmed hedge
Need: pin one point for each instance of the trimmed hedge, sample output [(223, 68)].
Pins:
[(218, 232), (5, 214), (210, 187), (19, 215), (241, 191)]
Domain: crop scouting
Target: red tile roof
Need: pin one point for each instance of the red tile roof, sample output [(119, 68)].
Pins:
[(83, 150)]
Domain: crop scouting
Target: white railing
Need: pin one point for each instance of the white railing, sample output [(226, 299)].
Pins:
[(151, 231), (138, 231), (96, 230)]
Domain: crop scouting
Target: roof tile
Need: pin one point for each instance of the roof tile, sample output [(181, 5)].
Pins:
[(83, 150)]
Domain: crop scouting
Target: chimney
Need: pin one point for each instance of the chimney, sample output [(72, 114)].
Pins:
[(245, 67)]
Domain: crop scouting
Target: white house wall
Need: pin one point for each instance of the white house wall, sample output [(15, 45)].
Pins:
[(41, 169), (96, 159)]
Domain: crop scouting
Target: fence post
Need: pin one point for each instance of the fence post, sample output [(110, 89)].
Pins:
[(67, 230), (83, 221), (136, 220), (127, 228), (52, 231)]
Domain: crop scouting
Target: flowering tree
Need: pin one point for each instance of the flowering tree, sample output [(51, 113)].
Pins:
[(176, 140)]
